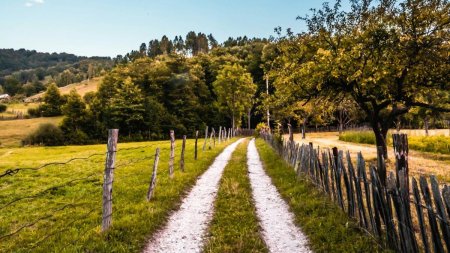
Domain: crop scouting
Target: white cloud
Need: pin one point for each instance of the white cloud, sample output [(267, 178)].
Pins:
[(31, 3)]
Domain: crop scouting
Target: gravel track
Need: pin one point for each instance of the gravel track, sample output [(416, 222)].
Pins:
[(186, 227), (277, 222)]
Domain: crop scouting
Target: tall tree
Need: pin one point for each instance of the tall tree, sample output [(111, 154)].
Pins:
[(191, 43), (166, 45), (385, 55), (235, 89)]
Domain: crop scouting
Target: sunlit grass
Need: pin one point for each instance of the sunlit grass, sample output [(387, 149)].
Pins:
[(76, 228), (433, 144), (12, 132)]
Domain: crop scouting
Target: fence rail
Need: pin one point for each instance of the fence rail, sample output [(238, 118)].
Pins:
[(404, 219)]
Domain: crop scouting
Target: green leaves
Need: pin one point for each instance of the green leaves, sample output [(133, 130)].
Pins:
[(235, 89)]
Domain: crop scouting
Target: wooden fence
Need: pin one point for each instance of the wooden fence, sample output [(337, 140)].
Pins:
[(401, 215)]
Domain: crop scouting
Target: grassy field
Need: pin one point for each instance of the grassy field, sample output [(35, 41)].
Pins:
[(13, 131), (16, 109), (327, 226), (434, 143), (58, 208), (82, 88), (234, 227)]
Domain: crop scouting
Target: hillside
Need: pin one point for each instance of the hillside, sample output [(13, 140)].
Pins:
[(26, 72), (81, 87)]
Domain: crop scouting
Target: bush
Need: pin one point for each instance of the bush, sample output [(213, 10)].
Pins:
[(77, 137), (47, 135), (34, 112), (3, 108)]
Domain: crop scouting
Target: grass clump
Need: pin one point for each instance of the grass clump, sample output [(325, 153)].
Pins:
[(68, 218), (234, 227), (326, 226)]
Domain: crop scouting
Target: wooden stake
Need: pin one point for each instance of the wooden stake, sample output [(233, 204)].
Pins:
[(196, 141), (183, 146), (108, 178), (172, 153), (206, 137), (152, 186)]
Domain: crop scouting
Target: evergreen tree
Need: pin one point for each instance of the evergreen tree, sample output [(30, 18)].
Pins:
[(52, 102)]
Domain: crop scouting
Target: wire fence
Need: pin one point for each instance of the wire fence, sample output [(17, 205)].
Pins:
[(73, 207)]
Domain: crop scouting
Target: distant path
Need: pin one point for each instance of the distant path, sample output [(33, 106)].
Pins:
[(420, 163), (186, 227), (277, 222)]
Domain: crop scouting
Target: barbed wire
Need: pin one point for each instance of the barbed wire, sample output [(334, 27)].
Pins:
[(66, 227), (51, 188), (10, 172), (45, 217)]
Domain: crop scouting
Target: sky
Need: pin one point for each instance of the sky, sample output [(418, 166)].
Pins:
[(112, 27)]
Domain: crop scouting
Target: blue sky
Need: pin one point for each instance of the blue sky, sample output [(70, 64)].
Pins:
[(111, 27)]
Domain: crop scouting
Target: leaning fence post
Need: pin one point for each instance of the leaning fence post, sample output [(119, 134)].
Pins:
[(196, 141), (206, 138), (151, 188), (183, 146), (220, 132), (108, 178), (172, 152)]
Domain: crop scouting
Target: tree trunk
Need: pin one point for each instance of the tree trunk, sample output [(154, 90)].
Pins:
[(426, 125), (341, 127), (249, 115), (304, 129), (232, 123)]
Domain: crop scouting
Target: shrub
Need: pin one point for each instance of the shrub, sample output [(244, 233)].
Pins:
[(34, 112), (3, 108), (77, 137), (47, 135)]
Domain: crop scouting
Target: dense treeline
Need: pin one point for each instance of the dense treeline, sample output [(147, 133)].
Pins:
[(185, 89), (24, 72)]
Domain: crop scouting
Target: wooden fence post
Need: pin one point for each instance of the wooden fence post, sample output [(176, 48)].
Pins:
[(172, 153), (152, 186), (108, 178), (196, 141), (214, 138), (206, 138), (183, 146), (210, 138), (291, 133), (220, 132)]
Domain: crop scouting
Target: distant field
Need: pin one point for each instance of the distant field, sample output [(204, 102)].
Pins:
[(19, 108), (13, 131), (82, 88)]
